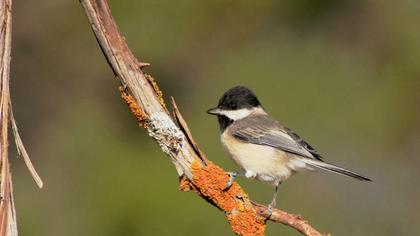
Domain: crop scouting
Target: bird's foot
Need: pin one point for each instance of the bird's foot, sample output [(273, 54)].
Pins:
[(270, 211), (232, 176)]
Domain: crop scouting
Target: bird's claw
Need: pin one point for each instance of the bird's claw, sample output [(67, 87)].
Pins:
[(232, 176), (270, 211)]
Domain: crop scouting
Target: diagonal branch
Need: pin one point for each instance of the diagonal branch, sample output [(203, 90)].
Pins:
[(145, 101)]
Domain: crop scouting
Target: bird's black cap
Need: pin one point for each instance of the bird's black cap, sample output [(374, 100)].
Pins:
[(238, 97)]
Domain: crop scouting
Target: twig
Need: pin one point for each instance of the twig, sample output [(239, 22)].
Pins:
[(292, 220), (144, 99), (22, 152), (8, 224)]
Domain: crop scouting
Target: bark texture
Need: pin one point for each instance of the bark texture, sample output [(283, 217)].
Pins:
[(8, 225)]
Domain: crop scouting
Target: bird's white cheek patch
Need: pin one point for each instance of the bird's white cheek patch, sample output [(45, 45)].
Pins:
[(242, 113), (237, 114)]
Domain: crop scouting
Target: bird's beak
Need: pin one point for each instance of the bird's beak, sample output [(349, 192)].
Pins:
[(214, 111)]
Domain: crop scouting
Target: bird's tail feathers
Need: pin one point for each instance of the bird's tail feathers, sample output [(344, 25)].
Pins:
[(333, 168)]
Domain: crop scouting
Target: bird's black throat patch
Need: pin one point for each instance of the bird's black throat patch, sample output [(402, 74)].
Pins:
[(224, 122)]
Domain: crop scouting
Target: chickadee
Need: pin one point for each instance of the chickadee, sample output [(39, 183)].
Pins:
[(261, 146)]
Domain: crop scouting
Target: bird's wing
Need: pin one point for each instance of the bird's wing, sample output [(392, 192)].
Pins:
[(263, 130)]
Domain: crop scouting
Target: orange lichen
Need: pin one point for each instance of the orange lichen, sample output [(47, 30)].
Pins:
[(134, 107), (209, 182), (156, 88), (185, 185)]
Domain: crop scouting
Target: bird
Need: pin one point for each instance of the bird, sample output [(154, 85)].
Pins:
[(261, 146)]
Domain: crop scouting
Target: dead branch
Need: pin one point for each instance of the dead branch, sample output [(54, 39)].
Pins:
[(292, 220), (8, 224), (145, 101)]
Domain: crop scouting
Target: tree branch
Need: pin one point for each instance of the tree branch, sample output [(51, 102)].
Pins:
[(145, 101), (8, 224)]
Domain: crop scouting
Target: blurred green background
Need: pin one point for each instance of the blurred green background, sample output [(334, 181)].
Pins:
[(343, 74)]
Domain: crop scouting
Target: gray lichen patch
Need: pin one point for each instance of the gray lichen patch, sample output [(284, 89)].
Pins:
[(169, 137)]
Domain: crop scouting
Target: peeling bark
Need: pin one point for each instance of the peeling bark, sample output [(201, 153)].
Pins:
[(8, 225)]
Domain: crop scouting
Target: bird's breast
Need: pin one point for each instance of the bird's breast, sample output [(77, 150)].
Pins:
[(262, 162)]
